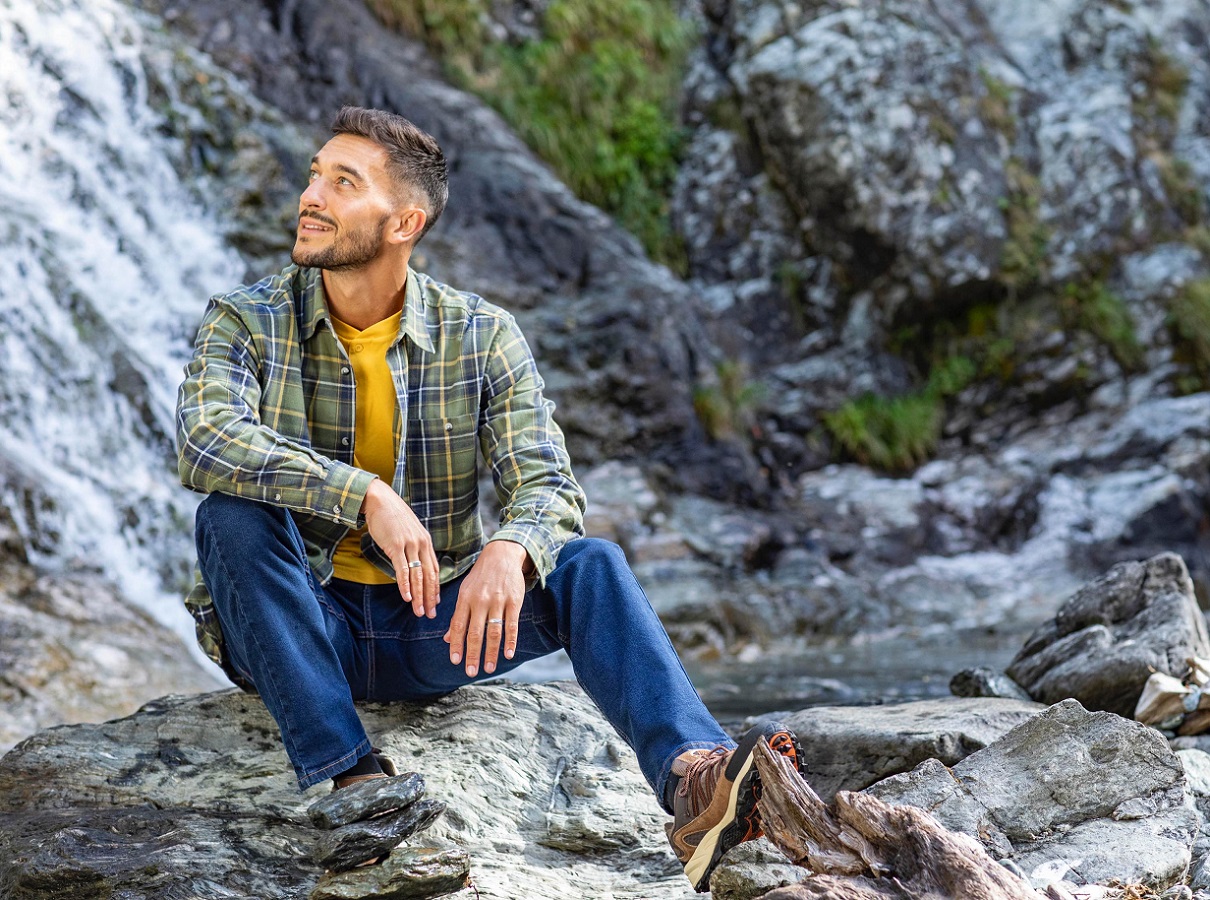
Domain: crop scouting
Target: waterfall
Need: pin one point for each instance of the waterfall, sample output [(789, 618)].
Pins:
[(108, 258)]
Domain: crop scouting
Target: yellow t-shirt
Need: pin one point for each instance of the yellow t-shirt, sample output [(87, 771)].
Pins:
[(374, 436)]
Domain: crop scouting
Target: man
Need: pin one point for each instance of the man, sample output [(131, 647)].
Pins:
[(333, 414)]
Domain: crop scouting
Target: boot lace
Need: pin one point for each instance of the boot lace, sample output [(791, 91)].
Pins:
[(701, 775)]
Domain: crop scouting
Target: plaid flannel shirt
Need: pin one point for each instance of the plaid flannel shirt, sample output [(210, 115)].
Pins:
[(267, 410)]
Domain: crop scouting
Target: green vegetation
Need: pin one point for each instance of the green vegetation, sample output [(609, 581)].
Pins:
[(899, 433), (996, 105), (1164, 84), (1095, 309), (727, 406), (593, 93), (1023, 259), (1189, 321)]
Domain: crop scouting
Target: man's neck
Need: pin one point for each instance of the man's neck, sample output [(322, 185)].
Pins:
[(366, 296)]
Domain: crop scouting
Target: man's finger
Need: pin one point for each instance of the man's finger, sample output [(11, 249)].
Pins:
[(510, 630), (495, 636), (474, 644), (432, 583), (416, 583), (456, 636)]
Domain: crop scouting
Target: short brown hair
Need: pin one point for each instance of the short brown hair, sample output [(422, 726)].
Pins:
[(413, 158)]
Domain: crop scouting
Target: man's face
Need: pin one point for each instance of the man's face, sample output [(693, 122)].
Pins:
[(343, 212)]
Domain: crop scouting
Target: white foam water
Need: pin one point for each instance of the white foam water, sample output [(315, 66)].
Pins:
[(106, 263)]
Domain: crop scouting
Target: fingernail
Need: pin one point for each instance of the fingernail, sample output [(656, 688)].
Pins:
[(489, 668), (472, 671), (456, 658), (508, 654), (432, 613)]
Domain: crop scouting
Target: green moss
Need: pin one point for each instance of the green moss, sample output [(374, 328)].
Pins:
[(1181, 186), (996, 105), (727, 405), (1095, 309), (1023, 257), (594, 94), (1189, 323), (1165, 82)]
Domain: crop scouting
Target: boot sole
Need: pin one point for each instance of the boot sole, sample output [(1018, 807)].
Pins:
[(736, 826)]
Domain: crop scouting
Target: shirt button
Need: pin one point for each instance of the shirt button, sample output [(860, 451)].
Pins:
[(344, 370), (449, 426), (357, 348), (336, 509), (345, 441), (276, 497)]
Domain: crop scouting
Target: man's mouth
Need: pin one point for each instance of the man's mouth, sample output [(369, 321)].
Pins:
[(312, 225)]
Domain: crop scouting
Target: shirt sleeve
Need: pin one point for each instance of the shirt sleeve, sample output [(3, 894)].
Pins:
[(542, 505), (223, 446)]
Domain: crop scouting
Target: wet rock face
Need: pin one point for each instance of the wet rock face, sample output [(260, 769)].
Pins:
[(195, 797), (1069, 794), (1112, 634)]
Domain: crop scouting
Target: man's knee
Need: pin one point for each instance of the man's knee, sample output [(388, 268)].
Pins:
[(593, 553)]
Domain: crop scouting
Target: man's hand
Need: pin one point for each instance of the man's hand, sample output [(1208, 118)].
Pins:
[(395, 528), (489, 603)]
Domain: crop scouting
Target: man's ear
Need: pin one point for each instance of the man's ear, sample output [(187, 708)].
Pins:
[(407, 225)]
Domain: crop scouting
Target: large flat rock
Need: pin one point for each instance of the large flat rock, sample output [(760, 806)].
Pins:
[(194, 797)]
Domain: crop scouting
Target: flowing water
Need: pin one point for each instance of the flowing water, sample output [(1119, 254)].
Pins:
[(107, 260)]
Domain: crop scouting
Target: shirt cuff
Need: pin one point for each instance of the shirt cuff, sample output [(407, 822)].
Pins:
[(343, 493)]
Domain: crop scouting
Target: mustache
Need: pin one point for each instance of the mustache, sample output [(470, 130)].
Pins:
[(318, 217)]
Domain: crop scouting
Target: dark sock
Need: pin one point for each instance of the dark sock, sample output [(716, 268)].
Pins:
[(365, 765), (670, 790)]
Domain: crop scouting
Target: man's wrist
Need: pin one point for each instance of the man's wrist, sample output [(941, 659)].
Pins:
[(515, 551)]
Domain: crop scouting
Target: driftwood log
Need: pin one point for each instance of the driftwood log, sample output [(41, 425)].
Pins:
[(861, 848)]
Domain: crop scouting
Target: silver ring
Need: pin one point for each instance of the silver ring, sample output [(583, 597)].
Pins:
[(415, 564), (495, 621)]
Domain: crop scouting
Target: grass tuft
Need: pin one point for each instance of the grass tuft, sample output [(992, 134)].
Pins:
[(593, 92)]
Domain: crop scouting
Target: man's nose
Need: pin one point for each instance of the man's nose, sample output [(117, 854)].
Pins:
[(312, 197)]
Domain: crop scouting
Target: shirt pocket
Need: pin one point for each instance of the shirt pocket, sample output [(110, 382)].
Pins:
[(443, 466)]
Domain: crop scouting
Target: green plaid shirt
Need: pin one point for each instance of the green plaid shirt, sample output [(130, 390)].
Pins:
[(267, 412)]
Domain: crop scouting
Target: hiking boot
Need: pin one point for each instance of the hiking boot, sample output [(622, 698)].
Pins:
[(715, 804)]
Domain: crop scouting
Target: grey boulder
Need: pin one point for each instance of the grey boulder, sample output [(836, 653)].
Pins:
[(1103, 644), (1072, 795), (366, 799)]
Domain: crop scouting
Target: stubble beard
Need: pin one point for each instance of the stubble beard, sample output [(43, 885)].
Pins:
[(349, 251)]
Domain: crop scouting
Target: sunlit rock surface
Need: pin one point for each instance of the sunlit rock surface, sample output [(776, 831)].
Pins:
[(541, 793)]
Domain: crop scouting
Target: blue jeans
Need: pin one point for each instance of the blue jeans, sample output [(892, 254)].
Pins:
[(312, 649)]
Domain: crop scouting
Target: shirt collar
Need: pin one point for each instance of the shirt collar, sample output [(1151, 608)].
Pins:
[(413, 324)]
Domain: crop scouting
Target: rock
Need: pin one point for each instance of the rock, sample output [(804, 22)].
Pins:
[(410, 874), (368, 798), (1112, 634), (347, 846), (850, 748), (1068, 794), (751, 870), (74, 649), (537, 785), (984, 682)]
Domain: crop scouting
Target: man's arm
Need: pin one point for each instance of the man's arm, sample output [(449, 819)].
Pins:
[(223, 445), (542, 505)]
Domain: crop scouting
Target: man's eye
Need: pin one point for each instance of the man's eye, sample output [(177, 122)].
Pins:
[(312, 175), (343, 180)]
